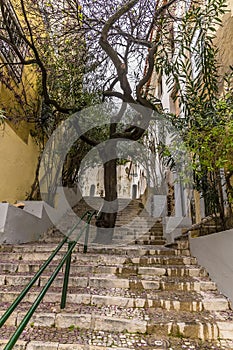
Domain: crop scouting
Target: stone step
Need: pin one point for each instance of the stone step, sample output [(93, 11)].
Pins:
[(48, 345), (140, 240), (150, 241), (46, 338), (152, 234), (122, 286), (171, 271), (140, 214), (108, 341), (37, 256), (205, 326), (132, 235), (94, 264), (42, 252), (81, 275), (131, 250), (28, 256), (95, 253), (177, 301), (125, 267), (100, 319), (81, 268), (162, 260), (140, 221), (135, 225), (118, 269), (187, 284)]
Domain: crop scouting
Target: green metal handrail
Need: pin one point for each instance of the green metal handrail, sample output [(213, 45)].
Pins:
[(67, 259)]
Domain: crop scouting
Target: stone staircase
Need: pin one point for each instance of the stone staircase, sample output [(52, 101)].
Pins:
[(134, 225), (137, 296)]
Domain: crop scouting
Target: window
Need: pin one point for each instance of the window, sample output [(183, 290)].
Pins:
[(160, 86), (10, 28)]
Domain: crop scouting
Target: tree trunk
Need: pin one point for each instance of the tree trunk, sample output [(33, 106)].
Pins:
[(35, 188), (107, 216)]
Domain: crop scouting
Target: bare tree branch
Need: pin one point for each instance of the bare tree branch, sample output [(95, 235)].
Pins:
[(119, 65)]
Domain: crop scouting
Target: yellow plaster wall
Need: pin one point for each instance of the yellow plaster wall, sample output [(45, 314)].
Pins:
[(18, 151), (18, 162)]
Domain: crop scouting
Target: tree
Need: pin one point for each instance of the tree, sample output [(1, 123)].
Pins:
[(115, 39)]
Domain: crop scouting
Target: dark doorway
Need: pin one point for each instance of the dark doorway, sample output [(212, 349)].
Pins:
[(92, 191), (134, 191)]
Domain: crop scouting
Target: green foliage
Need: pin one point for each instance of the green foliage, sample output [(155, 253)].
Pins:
[(71, 327), (190, 62), (189, 59)]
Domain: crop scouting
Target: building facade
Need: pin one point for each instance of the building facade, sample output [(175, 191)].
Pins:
[(161, 89), (19, 104)]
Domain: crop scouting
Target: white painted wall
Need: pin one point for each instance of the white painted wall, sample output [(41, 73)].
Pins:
[(95, 176), (215, 253)]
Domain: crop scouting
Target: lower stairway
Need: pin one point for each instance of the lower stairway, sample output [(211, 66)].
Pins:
[(140, 295)]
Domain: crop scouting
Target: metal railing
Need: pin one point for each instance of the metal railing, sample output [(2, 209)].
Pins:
[(66, 259)]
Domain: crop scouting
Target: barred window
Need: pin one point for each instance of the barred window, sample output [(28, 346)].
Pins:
[(10, 28)]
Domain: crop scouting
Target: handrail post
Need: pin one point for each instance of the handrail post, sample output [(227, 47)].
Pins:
[(66, 277), (87, 233)]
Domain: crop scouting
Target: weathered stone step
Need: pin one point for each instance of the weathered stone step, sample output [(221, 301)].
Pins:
[(121, 286), (133, 219), (94, 264), (129, 227), (204, 330), (133, 236), (43, 256), (28, 256), (80, 268), (132, 250), (164, 260), (38, 254), (110, 341), (151, 235), (141, 223), (85, 275), (48, 345), (205, 326), (105, 318), (171, 271), (25, 272), (46, 338), (150, 241), (187, 284), (141, 214), (177, 301), (24, 267), (157, 228)]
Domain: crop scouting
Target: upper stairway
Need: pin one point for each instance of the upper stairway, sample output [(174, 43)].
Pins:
[(133, 222)]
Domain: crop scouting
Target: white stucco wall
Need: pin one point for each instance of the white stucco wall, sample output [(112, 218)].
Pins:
[(215, 253), (95, 177)]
